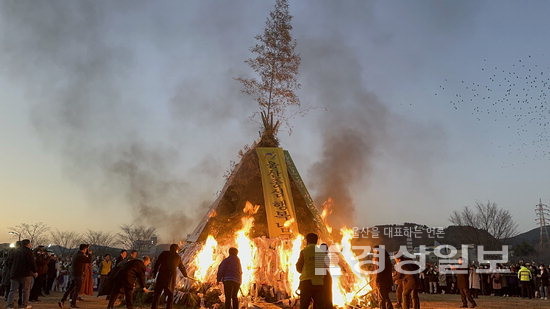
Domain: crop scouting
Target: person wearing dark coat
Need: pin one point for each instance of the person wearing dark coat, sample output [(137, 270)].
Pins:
[(80, 259), (121, 257), (6, 270), (398, 280), (22, 272), (463, 284), (131, 272), (42, 259), (327, 280), (166, 266), (410, 270), (383, 279), (230, 273), (52, 273), (119, 261)]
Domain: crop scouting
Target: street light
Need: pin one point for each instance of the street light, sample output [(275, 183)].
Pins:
[(15, 233)]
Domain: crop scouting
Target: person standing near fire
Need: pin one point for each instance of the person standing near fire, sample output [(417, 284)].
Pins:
[(383, 279), (80, 259), (398, 280), (165, 269), (311, 284), (409, 270), (131, 272), (230, 273), (121, 257), (327, 281)]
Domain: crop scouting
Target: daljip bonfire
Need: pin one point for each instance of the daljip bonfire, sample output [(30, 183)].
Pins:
[(264, 210)]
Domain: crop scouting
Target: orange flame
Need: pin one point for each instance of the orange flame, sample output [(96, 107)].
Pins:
[(327, 210), (212, 214), (203, 260), (288, 222), (274, 263), (250, 209)]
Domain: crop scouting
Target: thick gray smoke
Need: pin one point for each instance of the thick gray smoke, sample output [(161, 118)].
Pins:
[(121, 89), (360, 133), (357, 129), (81, 71), (352, 127)]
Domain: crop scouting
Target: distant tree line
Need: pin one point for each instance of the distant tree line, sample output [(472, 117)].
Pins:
[(131, 237), (498, 222), (488, 217)]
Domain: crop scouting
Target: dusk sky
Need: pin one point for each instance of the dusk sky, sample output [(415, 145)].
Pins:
[(108, 106)]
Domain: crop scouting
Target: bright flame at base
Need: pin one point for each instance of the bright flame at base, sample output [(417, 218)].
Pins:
[(203, 260), (272, 262), (247, 253)]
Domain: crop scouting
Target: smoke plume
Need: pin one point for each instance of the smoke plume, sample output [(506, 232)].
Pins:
[(357, 130), (80, 78), (119, 90)]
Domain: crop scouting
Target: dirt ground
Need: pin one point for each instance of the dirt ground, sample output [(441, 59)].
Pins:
[(427, 302)]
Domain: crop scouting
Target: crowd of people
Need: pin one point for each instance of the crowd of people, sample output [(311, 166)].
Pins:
[(29, 274), (52, 273), (526, 280), (408, 279)]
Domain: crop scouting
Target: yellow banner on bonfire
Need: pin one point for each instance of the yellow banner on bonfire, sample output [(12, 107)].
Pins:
[(279, 206)]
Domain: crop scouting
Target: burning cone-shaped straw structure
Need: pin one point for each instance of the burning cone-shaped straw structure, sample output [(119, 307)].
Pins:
[(264, 210)]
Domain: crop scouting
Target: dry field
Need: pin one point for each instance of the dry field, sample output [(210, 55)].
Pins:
[(427, 302)]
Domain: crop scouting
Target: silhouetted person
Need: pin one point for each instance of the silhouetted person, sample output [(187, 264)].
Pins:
[(311, 284), (410, 283), (42, 259), (80, 259), (463, 285), (543, 280), (327, 280), (120, 260), (384, 280), (22, 272), (121, 257), (6, 270), (398, 279), (52, 274), (231, 273), (165, 269), (130, 272)]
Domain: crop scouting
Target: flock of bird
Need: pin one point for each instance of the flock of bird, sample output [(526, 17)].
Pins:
[(515, 96)]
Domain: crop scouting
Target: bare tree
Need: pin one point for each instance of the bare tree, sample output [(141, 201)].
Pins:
[(100, 241), (489, 217), (35, 232), (99, 238), (137, 237), (277, 64), (66, 241)]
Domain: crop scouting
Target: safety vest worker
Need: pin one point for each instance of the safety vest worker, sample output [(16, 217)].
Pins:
[(524, 274)]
